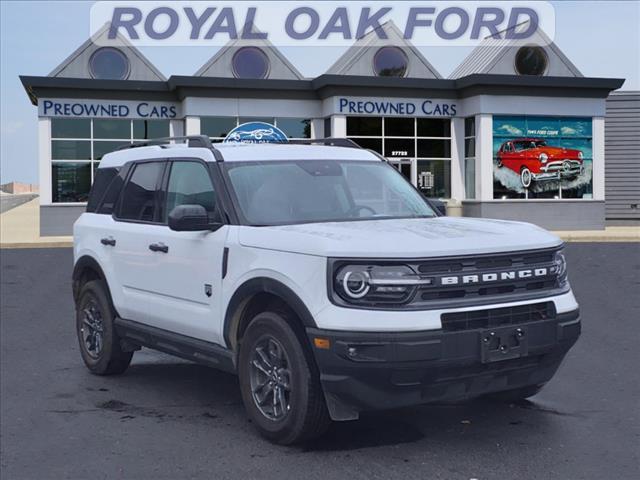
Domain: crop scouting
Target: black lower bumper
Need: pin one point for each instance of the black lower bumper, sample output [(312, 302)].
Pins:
[(377, 371)]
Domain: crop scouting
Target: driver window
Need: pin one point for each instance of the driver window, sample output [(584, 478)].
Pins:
[(190, 184)]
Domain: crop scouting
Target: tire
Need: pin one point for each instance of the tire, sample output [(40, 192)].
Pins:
[(500, 164), (97, 337), (300, 412), (525, 177), (517, 394)]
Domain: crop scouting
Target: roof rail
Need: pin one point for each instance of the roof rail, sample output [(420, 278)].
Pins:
[(332, 142), (192, 141)]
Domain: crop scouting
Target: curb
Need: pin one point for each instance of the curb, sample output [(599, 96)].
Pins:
[(63, 244), (598, 239)]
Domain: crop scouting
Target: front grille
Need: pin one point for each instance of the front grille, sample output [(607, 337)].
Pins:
[(473, 264), (496, 317), (461, 268)]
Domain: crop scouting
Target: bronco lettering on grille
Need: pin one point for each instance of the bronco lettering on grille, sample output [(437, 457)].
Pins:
[(494, 277)]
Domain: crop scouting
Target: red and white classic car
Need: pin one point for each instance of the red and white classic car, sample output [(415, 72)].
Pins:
[(534, 160)]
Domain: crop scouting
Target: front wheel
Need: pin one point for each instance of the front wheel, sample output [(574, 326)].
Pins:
[(280, 388), (525, 177)]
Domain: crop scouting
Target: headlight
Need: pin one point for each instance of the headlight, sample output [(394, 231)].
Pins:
[(543, 157), (560, 265), (367, 284), (580, 155)]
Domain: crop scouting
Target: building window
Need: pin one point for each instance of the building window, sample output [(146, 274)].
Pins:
[(71, 181), (420, 148), (470, 157), (250, 62), (295, 127), (109, 63), (78, 145), (217, 128), (390, 62), (542, 157), (531, 60)]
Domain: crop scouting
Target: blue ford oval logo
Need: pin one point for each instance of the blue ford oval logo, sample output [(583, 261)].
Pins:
[(256, 132)]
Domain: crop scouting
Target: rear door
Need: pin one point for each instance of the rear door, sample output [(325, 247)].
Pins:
[(137, 219)]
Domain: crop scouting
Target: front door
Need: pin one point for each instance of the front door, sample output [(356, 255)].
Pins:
[(188, 282)]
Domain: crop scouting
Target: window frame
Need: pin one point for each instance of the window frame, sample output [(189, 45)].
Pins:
[(525, 118), (470, 192), (415, 159), (92, 140)]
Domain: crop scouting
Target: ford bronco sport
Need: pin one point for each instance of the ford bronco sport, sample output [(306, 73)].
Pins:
[(319, 275)]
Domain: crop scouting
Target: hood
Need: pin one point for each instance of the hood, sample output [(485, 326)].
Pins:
[(559, 150), (402, 238)]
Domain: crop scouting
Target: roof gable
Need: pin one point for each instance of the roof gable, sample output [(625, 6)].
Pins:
[(220, 65), (76, 65), (497, 56), (358, 59)]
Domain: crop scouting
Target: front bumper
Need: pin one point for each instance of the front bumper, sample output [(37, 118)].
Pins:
[(377, 371), (559, 169)]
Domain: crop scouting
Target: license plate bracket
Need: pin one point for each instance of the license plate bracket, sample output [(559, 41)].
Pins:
[(503, 343)]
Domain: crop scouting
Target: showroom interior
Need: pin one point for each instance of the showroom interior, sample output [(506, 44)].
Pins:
[(516, 132)]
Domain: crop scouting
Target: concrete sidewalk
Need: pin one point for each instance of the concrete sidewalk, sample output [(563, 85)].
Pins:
[(20, 228)]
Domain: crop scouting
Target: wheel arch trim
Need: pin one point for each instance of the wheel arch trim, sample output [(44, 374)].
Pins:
[(249, 289), (82, 264)]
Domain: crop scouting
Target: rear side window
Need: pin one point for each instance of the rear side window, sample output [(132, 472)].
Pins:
[(108, 203), (103, 178), (140, 196)]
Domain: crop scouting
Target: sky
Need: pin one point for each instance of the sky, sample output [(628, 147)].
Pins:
[(601, 38)]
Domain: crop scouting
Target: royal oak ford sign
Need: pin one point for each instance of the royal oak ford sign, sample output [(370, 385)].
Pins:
[(107, 109)]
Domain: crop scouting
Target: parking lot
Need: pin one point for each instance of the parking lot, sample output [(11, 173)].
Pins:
[(166, 418)]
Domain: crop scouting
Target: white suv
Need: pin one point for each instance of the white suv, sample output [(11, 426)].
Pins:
[(319, 275)]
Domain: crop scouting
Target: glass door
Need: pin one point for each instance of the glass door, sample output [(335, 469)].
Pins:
[(405, 166)]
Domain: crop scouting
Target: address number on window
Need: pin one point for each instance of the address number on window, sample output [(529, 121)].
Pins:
[(399, 153)]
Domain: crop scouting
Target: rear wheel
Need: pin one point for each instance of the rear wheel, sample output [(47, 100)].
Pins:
[(99, 343), (280, 388)]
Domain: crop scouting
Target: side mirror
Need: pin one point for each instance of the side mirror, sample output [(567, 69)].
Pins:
[(191, 218)]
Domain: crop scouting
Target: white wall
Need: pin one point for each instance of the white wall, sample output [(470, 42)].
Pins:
[(598, 158), (44, 159)]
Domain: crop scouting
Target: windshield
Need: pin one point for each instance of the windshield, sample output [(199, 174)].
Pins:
[(527, 144), (308, 191)]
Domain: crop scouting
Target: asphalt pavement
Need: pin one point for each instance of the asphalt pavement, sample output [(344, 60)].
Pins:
[(168, 419)]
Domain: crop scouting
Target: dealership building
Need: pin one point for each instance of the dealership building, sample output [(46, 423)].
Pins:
[(516, 132)]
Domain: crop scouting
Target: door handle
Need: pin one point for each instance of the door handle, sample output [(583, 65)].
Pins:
[(108, 241), (159, 247)]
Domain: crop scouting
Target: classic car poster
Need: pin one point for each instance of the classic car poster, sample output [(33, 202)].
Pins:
[(542, 157)]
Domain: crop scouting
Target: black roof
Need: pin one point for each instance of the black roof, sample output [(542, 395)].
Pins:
[(179, 87)]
